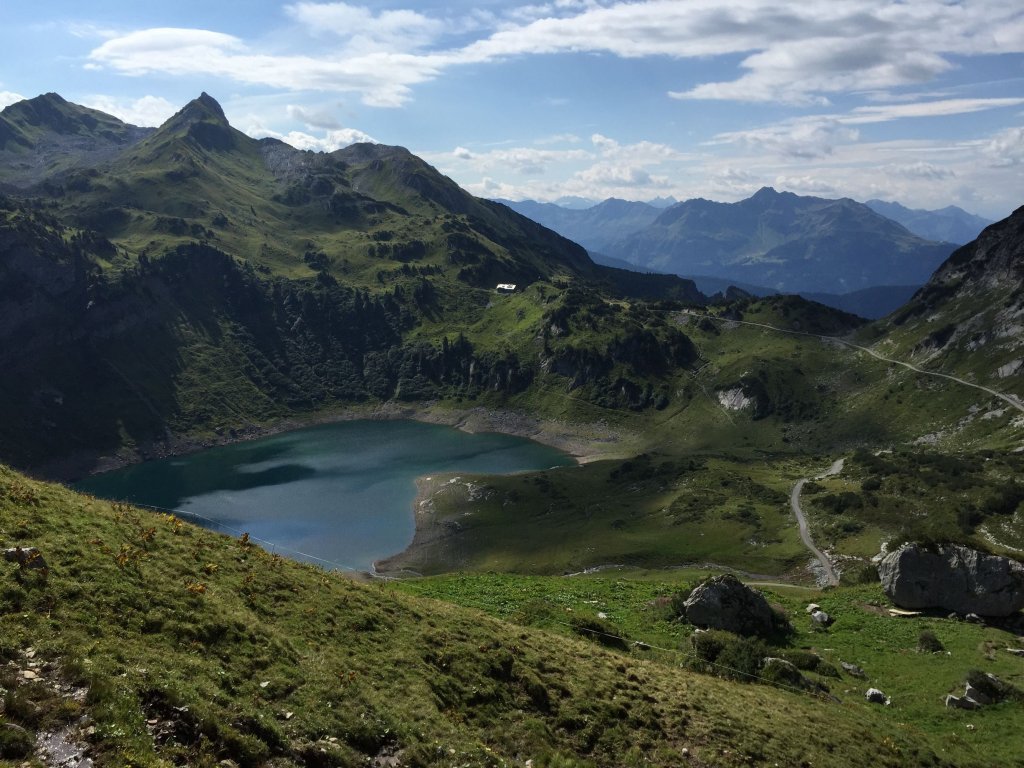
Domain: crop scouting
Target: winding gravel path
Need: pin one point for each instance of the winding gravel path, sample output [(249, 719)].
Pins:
[(805, 534)]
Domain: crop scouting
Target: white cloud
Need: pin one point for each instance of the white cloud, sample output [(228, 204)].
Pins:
[(940, 108), (817, 136), (89, 30), (804, 185), (558, 138), (805, 138), (1006, 148), (313, 118), (328, 142), (797, 53), (147, 111), (620, 175), (382, 78), (919, 170), (9, 97), (363, 31)]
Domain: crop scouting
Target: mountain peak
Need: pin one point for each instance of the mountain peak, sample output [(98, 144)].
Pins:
[(204, 107), (203, 121)]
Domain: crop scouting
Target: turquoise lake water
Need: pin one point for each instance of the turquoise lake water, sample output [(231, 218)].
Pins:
[(340, 492)]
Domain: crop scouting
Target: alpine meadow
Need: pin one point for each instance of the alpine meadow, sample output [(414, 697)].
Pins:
[(661, 405)]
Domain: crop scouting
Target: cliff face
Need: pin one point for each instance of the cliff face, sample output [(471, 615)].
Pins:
[(969, 318)]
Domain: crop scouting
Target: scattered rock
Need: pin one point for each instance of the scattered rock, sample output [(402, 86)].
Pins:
[(852, 669), (28, 674), (954, 578), (724, 602), (875, 696), (1016, 651), (956, 702), (26, 557), (978, 697), (63, 748), (812, 607), (974, 618)]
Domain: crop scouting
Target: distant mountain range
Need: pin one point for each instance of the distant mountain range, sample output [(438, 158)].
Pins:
[(596, 228), (773, 242), (949, 224)]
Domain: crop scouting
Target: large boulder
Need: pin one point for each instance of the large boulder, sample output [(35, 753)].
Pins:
[(954, 578), (724, 602)]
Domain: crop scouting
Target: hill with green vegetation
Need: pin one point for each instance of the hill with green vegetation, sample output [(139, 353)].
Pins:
[(191, 285), (149, 642), (202, 282), (47, 137)]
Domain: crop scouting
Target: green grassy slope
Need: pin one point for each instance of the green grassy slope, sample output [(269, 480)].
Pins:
[(181, 646), (638, 606)]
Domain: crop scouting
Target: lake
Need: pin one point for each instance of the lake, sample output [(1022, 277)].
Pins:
[(341, 493)]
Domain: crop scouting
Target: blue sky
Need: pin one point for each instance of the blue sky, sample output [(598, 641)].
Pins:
[(921, 101)]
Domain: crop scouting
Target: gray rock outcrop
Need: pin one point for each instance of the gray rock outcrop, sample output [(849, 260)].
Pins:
[(954, 578), (724, 602)]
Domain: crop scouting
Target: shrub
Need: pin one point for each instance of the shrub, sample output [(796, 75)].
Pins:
[(15, 742), (928, 642), (729, 656), (677, 603)]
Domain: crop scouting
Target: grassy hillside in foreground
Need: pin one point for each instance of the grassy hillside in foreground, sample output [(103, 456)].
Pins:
[(638, 606), (156, 643)]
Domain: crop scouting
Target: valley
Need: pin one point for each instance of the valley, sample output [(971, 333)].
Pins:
[(188, 289)]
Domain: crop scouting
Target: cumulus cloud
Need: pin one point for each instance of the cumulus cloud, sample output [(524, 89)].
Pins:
[(327, 142), (804, 185), (620, 175), (146, 111), (1006, 148), (9, 97)]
